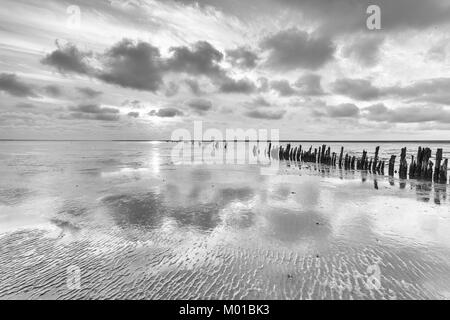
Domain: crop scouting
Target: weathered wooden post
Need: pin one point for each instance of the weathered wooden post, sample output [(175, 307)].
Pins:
[(429, 174), (412, 168), (443, 172), (340, 157), (375, 159), (403, 165), (391, 165), (287, 152), (418, 171), (364, 160), (437, 166), (322, 155), (426, 155)]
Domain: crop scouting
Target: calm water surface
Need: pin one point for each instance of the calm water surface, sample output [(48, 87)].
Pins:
[(139, 223)]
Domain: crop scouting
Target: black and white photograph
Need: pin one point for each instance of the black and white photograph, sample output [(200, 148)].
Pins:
[(224, 150)]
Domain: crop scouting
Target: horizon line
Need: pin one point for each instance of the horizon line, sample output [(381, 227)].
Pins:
[(224, 140)]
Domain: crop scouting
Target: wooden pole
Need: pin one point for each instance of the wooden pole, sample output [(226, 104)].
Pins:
[(437, 166), (391, 165)]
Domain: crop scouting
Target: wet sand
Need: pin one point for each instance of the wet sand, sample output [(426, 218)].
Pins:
[(139, 225)]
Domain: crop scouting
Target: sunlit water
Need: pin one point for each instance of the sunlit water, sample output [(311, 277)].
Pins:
[(140, 223)]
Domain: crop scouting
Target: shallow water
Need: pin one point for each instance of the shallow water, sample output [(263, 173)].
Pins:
[(139, 223)]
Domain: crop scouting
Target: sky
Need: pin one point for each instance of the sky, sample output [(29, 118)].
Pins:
[(312, 69)]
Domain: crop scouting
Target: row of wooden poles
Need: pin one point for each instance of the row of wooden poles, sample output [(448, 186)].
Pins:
[(421, 167)]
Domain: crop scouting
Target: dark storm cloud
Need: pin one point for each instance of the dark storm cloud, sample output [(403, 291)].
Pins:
[(342, 16), (230, 85), (193, 85), (339, 16), (435, 90), (199, 59), (133, 65), (365, 50), (67, 58), (259, 102), (88, 92), (135, 104), (93, 112), (242, 58), (265, 114), (200, 105), (309, 84), (93, 116), (25, 105), (171, 89), (359, 89), (283, 87), (133, 114), (11, 84), (344, 110), (139, 65), (292, 49), (306, 85), (166, 112), (93, 108), (53, 90), (412, 114)]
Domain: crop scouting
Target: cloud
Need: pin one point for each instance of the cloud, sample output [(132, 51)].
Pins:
[(413, 114), (199, 59), (350, 16), (244, 85), (434, 90), (25, 105), (282, 87), (265, 114), (309, 84), (259, 102), (88, 92), (171, 89), (344, 110), (93, 112), (67, 58), (193, 85), (135, 65), (359, 89), (306, 85), (292, 49), (365, 50), (135, 104), (263, 84), (139, 65), (200, 105), (133, 114), (11, 84), (242, 57), (53, 90), (166, 112), (438, 52)]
